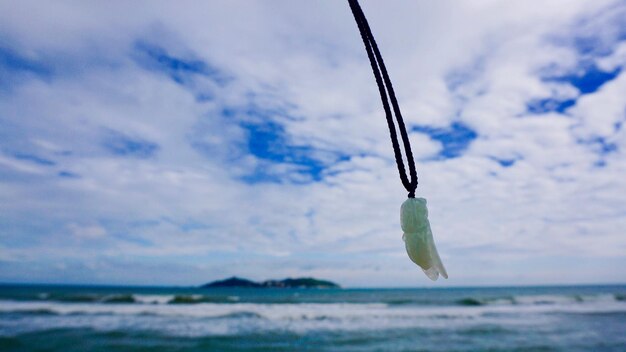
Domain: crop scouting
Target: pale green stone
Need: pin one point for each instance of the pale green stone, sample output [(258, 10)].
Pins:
[(418, 238)]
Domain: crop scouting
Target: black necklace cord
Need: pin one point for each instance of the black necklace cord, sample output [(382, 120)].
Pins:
[(386, 91)]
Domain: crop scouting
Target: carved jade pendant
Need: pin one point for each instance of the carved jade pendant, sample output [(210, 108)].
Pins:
[(418, 238)]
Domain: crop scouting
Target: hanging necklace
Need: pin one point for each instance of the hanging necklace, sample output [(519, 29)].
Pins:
[(417, 236)]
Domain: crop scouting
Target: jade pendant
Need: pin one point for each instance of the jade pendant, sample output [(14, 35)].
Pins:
[(418, 238)]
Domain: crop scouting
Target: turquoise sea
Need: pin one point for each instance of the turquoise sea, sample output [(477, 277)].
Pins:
[(81, 318)]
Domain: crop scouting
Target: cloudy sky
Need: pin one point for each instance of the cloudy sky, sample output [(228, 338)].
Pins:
[(158, 143)]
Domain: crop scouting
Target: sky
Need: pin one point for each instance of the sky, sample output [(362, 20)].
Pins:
[(175, 143)]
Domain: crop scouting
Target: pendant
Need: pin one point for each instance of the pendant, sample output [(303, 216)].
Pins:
[(418, 238)]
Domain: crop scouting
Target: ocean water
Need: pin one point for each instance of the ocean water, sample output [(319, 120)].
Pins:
[(72, 318)]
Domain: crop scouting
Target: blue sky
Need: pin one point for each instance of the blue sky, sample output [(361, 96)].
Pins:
[(160, 143)]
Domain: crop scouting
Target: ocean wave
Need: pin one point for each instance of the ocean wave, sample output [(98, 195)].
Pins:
[(295, 311), (518, 300), (75, 298), (195, 299), (240, 315), (34, 311), (537, 300), (125, 298), (153, 299), (118, 299), (484, 330), (88, 298), (403, 301), (204, 319), (231, 318), (471, 302)]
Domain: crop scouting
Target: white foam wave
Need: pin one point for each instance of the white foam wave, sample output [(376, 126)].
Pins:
[(302, 311), (235, 318), (202, 310), (153, 299), (562, 299)]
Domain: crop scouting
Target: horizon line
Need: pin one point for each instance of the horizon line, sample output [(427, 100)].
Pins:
[(292, 288)]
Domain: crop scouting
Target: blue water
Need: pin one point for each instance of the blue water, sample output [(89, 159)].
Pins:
[(65, 318)]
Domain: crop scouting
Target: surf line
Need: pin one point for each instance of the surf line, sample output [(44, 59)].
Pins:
[(417, 235)]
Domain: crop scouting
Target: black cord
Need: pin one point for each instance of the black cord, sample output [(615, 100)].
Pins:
[(386, 90)]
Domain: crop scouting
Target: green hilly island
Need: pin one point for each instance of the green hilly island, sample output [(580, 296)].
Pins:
[(303, 282)]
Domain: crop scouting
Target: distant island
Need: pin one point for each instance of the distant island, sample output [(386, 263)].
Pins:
[(303, 282)]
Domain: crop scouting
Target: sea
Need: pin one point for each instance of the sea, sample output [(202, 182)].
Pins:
[(94, 318)]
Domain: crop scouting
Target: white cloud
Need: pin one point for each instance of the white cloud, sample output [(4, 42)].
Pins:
[(186, 209), (87, 231)]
